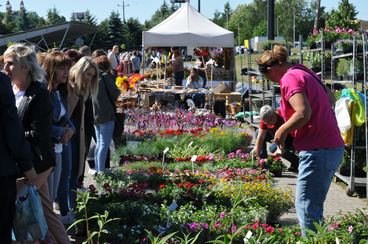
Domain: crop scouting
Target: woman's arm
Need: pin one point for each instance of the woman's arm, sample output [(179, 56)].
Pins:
[(299, 102)]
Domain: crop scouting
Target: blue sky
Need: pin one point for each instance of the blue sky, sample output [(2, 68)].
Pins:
[(143, 9)]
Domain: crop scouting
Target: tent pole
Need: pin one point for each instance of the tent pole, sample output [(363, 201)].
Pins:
[(44, 40), (62, 41), (93, 39)]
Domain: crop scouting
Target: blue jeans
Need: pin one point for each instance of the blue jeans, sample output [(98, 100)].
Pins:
[(54, 178), (104, 132), (316, 169), (66, 167)]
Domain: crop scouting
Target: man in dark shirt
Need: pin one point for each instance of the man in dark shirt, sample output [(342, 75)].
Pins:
[(15, 155)]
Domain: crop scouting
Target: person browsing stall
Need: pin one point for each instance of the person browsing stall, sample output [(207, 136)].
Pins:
[(306, 109), (194, 81), (271, 120)]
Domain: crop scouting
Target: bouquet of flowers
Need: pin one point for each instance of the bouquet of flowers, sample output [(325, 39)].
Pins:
[(272, 164), (125, 83)]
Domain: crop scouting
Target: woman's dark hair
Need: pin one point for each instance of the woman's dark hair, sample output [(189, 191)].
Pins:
[(104, 64), (98, 52), (73, 55)]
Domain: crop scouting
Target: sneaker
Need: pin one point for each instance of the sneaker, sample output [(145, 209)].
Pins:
[(92, 171), (68, 218), (56, 206)]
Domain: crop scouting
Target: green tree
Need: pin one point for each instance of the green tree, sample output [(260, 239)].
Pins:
[(133, 34), (160, 15), (53, 17), (343, 17), (260, 29), (114, 31), (101, 36), (22, 21), (35, 20)]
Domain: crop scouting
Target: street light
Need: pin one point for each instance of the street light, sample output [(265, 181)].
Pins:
[(123, 5)]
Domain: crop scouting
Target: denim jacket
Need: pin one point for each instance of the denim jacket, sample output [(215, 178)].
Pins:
[(59, 124)]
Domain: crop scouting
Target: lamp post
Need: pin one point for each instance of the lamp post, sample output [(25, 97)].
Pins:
[(123, 5), (294, 26)]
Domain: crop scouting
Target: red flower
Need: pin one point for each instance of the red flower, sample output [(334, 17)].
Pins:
[(270, 229), (201, 181), (255, 226), (162, 186)]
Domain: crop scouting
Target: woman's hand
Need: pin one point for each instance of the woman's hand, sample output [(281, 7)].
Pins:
[(280, 137), (68, 133)]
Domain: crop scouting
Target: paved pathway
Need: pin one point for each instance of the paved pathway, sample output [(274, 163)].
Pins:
[(337, 200)]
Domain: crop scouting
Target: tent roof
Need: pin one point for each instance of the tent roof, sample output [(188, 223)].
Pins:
[(187, 27), (49, 34)]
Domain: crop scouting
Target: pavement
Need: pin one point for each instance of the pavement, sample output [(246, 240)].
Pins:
[(337, 200)]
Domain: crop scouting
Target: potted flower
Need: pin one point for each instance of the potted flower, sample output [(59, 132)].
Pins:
[(272, 164)]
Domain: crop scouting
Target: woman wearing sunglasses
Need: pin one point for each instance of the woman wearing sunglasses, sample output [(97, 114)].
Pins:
[(306, 109)]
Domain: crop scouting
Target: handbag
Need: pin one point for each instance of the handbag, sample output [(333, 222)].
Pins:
[(29, 223)]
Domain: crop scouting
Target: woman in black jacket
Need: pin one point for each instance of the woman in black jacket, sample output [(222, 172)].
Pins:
[(35, 111), (15, 154)]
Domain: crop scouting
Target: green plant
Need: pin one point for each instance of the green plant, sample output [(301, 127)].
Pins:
[(343, 67), (102, 219), (157, 239)]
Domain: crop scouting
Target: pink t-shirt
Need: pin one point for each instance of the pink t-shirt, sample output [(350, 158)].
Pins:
[(321, 130)]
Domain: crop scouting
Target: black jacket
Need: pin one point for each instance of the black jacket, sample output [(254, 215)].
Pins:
[(14, 149), (35, 112)]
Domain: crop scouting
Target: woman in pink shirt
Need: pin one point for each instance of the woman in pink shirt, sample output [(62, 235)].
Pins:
[(309, 118)]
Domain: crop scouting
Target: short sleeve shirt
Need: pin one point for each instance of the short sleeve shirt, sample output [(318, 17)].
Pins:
[(321, 131)]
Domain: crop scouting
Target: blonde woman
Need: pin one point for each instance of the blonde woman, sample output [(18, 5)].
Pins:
[(35, 111), (83, 84)]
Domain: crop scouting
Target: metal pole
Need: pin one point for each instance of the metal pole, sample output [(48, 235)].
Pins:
[(123, 11), (199, 6), (365, 104), (294, 26)]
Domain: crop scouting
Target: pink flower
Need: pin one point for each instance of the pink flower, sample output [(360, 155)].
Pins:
[(217, 224), (350, 229), (350, 31), (239, 151), (233, 228), (210, 157), (315, 31), (255, 226), (222, 215), (338, 30)]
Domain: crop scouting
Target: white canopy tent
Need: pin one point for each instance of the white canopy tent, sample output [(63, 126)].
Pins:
[(187, 27)]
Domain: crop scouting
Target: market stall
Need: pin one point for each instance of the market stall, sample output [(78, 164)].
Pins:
[(187, 27)]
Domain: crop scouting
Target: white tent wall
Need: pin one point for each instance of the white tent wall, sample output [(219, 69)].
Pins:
[(187, 27)]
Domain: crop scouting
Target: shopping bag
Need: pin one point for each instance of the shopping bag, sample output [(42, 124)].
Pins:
[(29, 222)]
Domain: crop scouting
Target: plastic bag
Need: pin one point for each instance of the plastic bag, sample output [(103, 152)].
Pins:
[(29, 223)]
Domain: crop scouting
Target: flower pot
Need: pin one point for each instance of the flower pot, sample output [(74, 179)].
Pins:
[(276, 173)]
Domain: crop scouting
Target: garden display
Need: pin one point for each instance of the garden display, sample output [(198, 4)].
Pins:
[(189, 179)]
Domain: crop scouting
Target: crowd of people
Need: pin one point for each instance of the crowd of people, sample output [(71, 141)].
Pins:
[(51, 106)]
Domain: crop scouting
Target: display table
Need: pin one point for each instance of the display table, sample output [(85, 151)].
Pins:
[(152, 95)]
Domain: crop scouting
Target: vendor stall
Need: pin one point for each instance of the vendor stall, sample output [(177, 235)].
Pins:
[(187, 27)]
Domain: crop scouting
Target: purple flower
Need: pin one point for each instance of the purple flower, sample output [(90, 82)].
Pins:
[(217, 224), (193, 226), (222, 215), (205, 226), (233, 228), (231, 155)]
